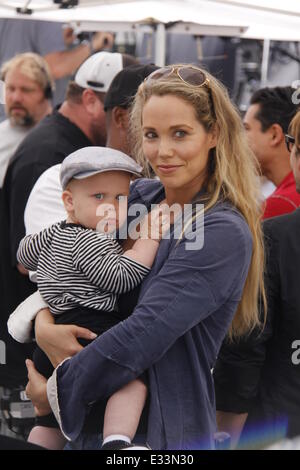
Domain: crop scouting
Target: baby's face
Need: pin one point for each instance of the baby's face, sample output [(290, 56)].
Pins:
[(100, 201)]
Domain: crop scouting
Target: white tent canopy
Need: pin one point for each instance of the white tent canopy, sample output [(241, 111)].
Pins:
[(289, 6), (257, 19), (128, 15)]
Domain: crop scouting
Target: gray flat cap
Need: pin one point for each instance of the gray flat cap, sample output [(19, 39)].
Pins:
[(89, 161)]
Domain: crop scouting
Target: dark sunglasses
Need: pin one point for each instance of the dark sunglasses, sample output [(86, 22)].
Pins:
[(290, 141), (188, 74)]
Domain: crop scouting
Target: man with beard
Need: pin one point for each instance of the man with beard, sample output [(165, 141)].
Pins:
[(28, 89), (79, 122), (58, 45)]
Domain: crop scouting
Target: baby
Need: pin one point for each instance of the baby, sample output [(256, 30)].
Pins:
[(81, 269)]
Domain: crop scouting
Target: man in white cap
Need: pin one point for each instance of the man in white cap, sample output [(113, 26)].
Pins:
[(79, 122)]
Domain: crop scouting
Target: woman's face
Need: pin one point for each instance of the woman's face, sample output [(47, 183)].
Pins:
[(175, 143)]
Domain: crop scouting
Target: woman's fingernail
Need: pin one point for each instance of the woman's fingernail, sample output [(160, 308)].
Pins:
[(93, 335)]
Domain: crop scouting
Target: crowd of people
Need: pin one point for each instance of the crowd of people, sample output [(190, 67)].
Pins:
[(148, 338)]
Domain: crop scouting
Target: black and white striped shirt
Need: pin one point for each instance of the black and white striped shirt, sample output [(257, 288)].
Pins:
[(78, 266)]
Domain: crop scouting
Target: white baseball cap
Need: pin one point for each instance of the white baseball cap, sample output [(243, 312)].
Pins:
[(89, 161), (98, 71)]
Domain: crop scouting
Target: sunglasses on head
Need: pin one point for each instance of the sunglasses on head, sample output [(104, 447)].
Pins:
[(290, 141), (189, 74)]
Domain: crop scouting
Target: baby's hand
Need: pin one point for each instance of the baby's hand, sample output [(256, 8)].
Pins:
[(157, 223)]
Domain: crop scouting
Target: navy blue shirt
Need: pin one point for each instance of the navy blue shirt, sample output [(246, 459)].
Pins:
[(185, 308)]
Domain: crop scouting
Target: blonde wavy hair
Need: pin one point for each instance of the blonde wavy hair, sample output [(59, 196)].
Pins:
[(232, 174)]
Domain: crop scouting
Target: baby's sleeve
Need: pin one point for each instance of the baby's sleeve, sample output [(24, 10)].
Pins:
[(101, 259), (31, 246)]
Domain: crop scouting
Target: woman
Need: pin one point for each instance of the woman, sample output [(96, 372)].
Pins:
[(187, 130)]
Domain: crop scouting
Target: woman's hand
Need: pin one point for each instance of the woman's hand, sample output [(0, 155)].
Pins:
[(156, 223), (36, 390), (59, 341)]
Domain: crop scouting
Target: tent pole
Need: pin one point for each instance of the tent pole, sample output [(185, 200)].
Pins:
[(160, 45), (265, 63)]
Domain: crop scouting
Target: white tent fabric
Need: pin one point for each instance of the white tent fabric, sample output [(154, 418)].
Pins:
[(263, 19), (44, 5), (120, 15), (288, 6)]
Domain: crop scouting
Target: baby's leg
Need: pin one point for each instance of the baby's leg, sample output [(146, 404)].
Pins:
[(124, 409), (51, 438)]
